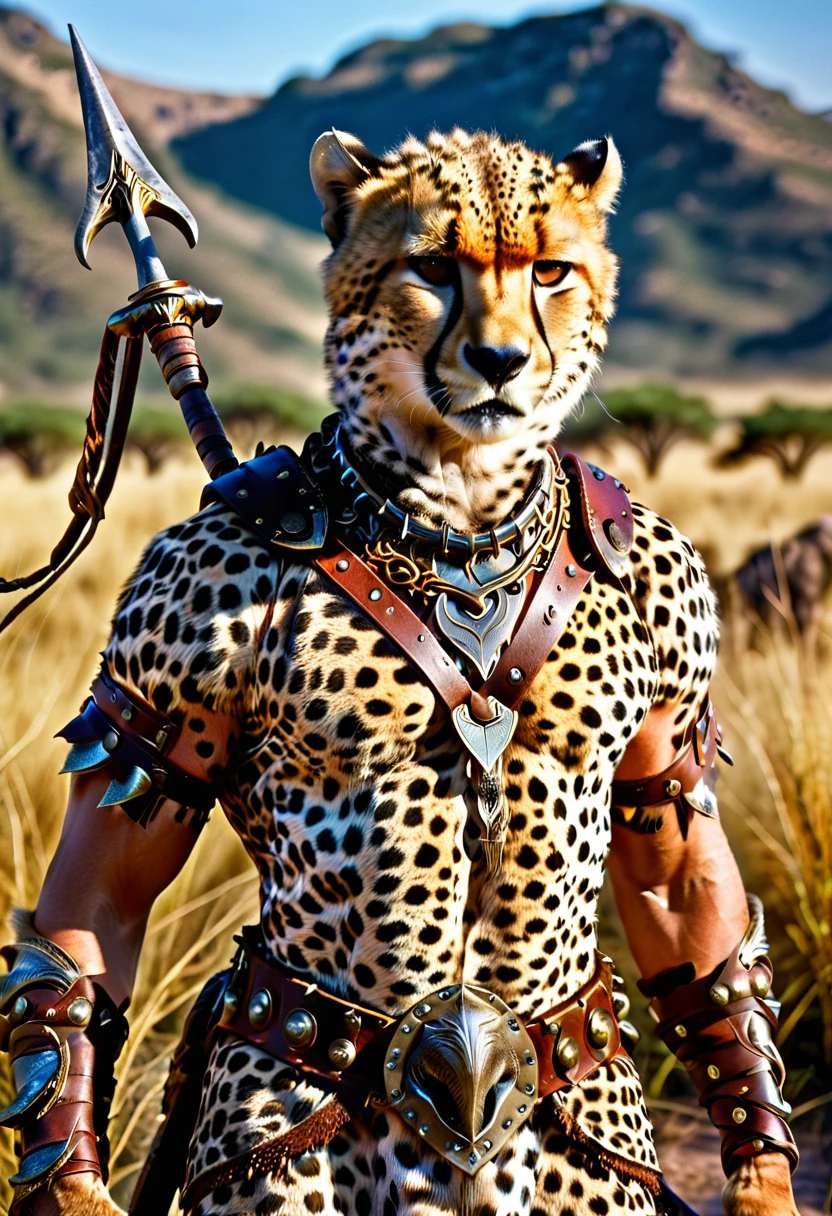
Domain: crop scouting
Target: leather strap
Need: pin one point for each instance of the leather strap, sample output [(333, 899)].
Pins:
[(546, 612), (682, 775)]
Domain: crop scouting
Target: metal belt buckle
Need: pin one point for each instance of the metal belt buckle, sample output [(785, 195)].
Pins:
[(462, 1072)]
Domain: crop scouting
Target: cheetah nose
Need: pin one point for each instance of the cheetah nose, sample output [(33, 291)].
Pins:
[(497, 365)]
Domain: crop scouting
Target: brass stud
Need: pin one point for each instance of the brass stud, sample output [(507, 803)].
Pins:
[(720, 994), (342, 565), (421, 1010), (759, 983), (161, 738), (759, 1144), (621, 1004), (673, 788), (515, 675), (79, 1011), (299, 1028), (739, 1115), (127, 714), (342, 1053), (51, 1013), (713, 1072), (569, 1052), (600, 1027), (260, 1008), (681, 1030)]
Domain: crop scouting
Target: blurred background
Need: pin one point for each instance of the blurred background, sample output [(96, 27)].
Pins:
[(715, 403)]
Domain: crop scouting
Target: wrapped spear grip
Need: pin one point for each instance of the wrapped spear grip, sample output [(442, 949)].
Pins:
[(167, 313)]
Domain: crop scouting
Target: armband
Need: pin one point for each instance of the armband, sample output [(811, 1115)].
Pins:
[(721, 1028), (63, 1035), (131, 741), (638, 804)]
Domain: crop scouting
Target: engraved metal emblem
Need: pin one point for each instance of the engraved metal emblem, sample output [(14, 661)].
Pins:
[(481, 637), (461, 1070), (486, 741)]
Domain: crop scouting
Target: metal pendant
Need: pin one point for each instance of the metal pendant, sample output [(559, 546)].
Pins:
[(492, 810), (486, 741), (482, 637), (462, 1072)]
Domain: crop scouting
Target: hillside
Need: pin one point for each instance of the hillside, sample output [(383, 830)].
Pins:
[(725, 225), (52, 311)]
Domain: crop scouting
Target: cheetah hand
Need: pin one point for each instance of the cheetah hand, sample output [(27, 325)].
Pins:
[(762, 1186), (76, 1195)]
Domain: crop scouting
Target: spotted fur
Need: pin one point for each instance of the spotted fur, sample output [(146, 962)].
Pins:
[(416, 410), (341, 772)]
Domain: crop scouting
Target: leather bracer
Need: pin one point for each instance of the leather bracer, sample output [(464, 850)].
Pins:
[(721, 1028), (132, 741), (63, 1035), (686, 782)]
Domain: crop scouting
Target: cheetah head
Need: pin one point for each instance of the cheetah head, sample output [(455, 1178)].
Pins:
[(469, 284)]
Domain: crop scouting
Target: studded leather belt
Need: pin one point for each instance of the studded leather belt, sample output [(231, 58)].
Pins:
[(459, 1067)]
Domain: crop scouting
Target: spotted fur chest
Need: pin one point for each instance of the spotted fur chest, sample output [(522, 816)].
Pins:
[(350, 792)]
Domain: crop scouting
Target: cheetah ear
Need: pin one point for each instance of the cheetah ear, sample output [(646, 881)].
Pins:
[(597, 166), (339, 163)]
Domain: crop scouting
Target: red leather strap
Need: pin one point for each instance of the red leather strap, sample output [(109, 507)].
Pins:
[(399, 622), (546, 612)]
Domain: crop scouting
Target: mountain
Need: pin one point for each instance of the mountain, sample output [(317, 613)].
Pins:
[(725, 223), (52, 311)]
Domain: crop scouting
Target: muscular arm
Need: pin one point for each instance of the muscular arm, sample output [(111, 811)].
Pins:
[(107, 872)]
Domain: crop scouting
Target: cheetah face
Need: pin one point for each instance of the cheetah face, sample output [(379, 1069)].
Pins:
[(470, 282)]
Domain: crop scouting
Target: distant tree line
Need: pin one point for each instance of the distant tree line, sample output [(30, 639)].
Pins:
[(652, 418), (41, 436)]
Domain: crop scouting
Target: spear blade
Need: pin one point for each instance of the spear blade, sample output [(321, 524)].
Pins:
[(122, 185)]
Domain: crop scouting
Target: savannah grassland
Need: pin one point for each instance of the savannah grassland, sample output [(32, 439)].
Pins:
[(773, 701)]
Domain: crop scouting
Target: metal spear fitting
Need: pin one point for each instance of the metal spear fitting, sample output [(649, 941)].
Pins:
[(123, 186)]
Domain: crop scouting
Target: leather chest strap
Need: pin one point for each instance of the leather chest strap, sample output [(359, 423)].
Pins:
[(547, 610)]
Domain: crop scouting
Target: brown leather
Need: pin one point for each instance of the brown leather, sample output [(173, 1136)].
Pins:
[(71, 1115), (605, 511), (546, 612), (698, 753), (572, 1018), (728, 1051), (410, 633), (290, 993), (371, 1031), (143, 720)]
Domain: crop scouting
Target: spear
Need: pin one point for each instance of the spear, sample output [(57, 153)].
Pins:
[(123, 187)]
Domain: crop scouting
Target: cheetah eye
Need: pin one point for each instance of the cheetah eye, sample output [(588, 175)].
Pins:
[(437, 271), (550, 274)]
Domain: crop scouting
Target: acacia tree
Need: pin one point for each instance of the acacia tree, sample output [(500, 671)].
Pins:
[(790, 435), (39, 436), (157, 433), (652, 418)]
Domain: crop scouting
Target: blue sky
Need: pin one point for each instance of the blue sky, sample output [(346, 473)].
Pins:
[(253, 45)]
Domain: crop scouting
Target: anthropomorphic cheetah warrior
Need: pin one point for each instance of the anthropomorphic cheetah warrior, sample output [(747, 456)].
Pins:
[(440, 680)]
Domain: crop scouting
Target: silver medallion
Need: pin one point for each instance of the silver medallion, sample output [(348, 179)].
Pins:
[(482, 637), (486, 741)]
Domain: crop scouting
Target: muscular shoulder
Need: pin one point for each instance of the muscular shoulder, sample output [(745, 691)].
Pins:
[(675, 600), (189, 622)]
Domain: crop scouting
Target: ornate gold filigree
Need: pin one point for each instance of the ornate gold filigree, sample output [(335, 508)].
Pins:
[(408, 564)]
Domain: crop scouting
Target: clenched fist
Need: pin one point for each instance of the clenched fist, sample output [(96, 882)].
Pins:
[(762, 1186), (76, 1195)]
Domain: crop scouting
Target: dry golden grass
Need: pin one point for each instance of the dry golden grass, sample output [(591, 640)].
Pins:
[(776, 800)]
